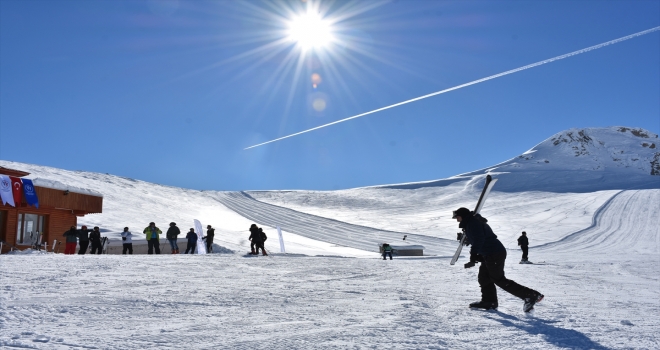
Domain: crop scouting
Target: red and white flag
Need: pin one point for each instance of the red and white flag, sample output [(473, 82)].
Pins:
[(17, 190), (5, 190)]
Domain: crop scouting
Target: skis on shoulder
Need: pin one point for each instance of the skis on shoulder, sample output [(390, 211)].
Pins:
[(490, 182)]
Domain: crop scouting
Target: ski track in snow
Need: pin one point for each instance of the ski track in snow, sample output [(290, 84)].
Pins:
[(324, 229)]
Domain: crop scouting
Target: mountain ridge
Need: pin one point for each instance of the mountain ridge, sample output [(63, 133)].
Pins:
[(575, 160)]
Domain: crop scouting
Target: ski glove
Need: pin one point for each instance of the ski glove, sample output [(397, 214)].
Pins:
[(469, 264)]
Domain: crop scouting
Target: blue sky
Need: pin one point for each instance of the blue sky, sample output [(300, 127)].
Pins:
[(172, 92)]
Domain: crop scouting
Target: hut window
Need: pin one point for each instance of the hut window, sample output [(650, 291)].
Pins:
[(29, 225)]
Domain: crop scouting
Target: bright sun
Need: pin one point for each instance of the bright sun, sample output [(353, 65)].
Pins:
[(310, 30)]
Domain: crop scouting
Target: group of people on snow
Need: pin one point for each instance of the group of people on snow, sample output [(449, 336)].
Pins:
[(83, 236), (257, 239), (153, 238)]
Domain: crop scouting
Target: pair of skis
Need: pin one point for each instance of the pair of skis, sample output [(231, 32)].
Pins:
[(490, 182)]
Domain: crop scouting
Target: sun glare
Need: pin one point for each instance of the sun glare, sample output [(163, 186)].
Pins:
[(310, 30)]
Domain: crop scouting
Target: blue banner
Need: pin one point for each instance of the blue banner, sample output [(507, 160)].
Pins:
[(30, 193)]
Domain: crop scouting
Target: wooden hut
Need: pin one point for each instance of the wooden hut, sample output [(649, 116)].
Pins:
[(58, 210)]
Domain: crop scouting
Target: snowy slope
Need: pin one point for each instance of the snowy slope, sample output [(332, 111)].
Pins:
[(550, 191), (134, 203), (596, 255)]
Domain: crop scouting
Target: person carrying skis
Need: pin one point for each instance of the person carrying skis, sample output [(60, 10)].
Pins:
[(488, 250), (523, 242), (172, 235), (83, 239), (71, 240), (261, 239), (127, 239), (95, 238), (153, 238), (210, 233), (254, 232), (192, 241), (387, 250)]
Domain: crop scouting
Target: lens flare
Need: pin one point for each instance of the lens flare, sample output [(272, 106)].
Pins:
[(319, 104)]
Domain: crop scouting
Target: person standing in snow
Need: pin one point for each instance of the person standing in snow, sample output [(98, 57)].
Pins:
[(127, 239), (172, 235), (192, 241), (210, 233), (71, 241), (260, 240), (488, 250), (153, 238), (523, 242), (387, 250), (254, 232), (83, 239), (95, 238)]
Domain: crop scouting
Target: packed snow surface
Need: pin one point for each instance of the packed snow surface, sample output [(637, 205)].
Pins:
[(595, 245)]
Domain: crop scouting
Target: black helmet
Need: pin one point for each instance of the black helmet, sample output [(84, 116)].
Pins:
[(172, 223)]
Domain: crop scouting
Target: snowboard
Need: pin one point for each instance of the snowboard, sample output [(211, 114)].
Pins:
[(490, 182)]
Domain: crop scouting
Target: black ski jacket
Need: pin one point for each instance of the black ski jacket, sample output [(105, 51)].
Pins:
[(481, 236), (522, 241), (83, 234), (254, 235), (210, 233), (172, 232), (95, 236)]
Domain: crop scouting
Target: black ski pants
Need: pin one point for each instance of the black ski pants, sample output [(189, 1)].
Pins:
[(209, 245), (525, 250), (83, 247), (153, 244), (129, 247), (260, 245), (191, 248), (96, 247), (387, 253), (491, 273)]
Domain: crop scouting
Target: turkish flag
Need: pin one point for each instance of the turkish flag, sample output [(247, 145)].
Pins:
[(16, 190)]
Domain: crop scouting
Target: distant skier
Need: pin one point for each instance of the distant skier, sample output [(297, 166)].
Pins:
[(260, 240), (210, 233), (172, 235), (523, 242), (71, 241), (254, 232), (192, 241), (127, 239), (153, 238), (95, 238), (387, 250), (83, 239), (488, 250)]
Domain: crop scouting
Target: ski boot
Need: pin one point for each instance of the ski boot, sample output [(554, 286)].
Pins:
[(486, 305), (530, 301)]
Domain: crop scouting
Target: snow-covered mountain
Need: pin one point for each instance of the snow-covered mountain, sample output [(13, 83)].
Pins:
[(577, 160), (595, 258), (559, 185)]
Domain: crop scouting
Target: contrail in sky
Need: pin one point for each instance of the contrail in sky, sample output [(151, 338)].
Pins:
[(590, 48)]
